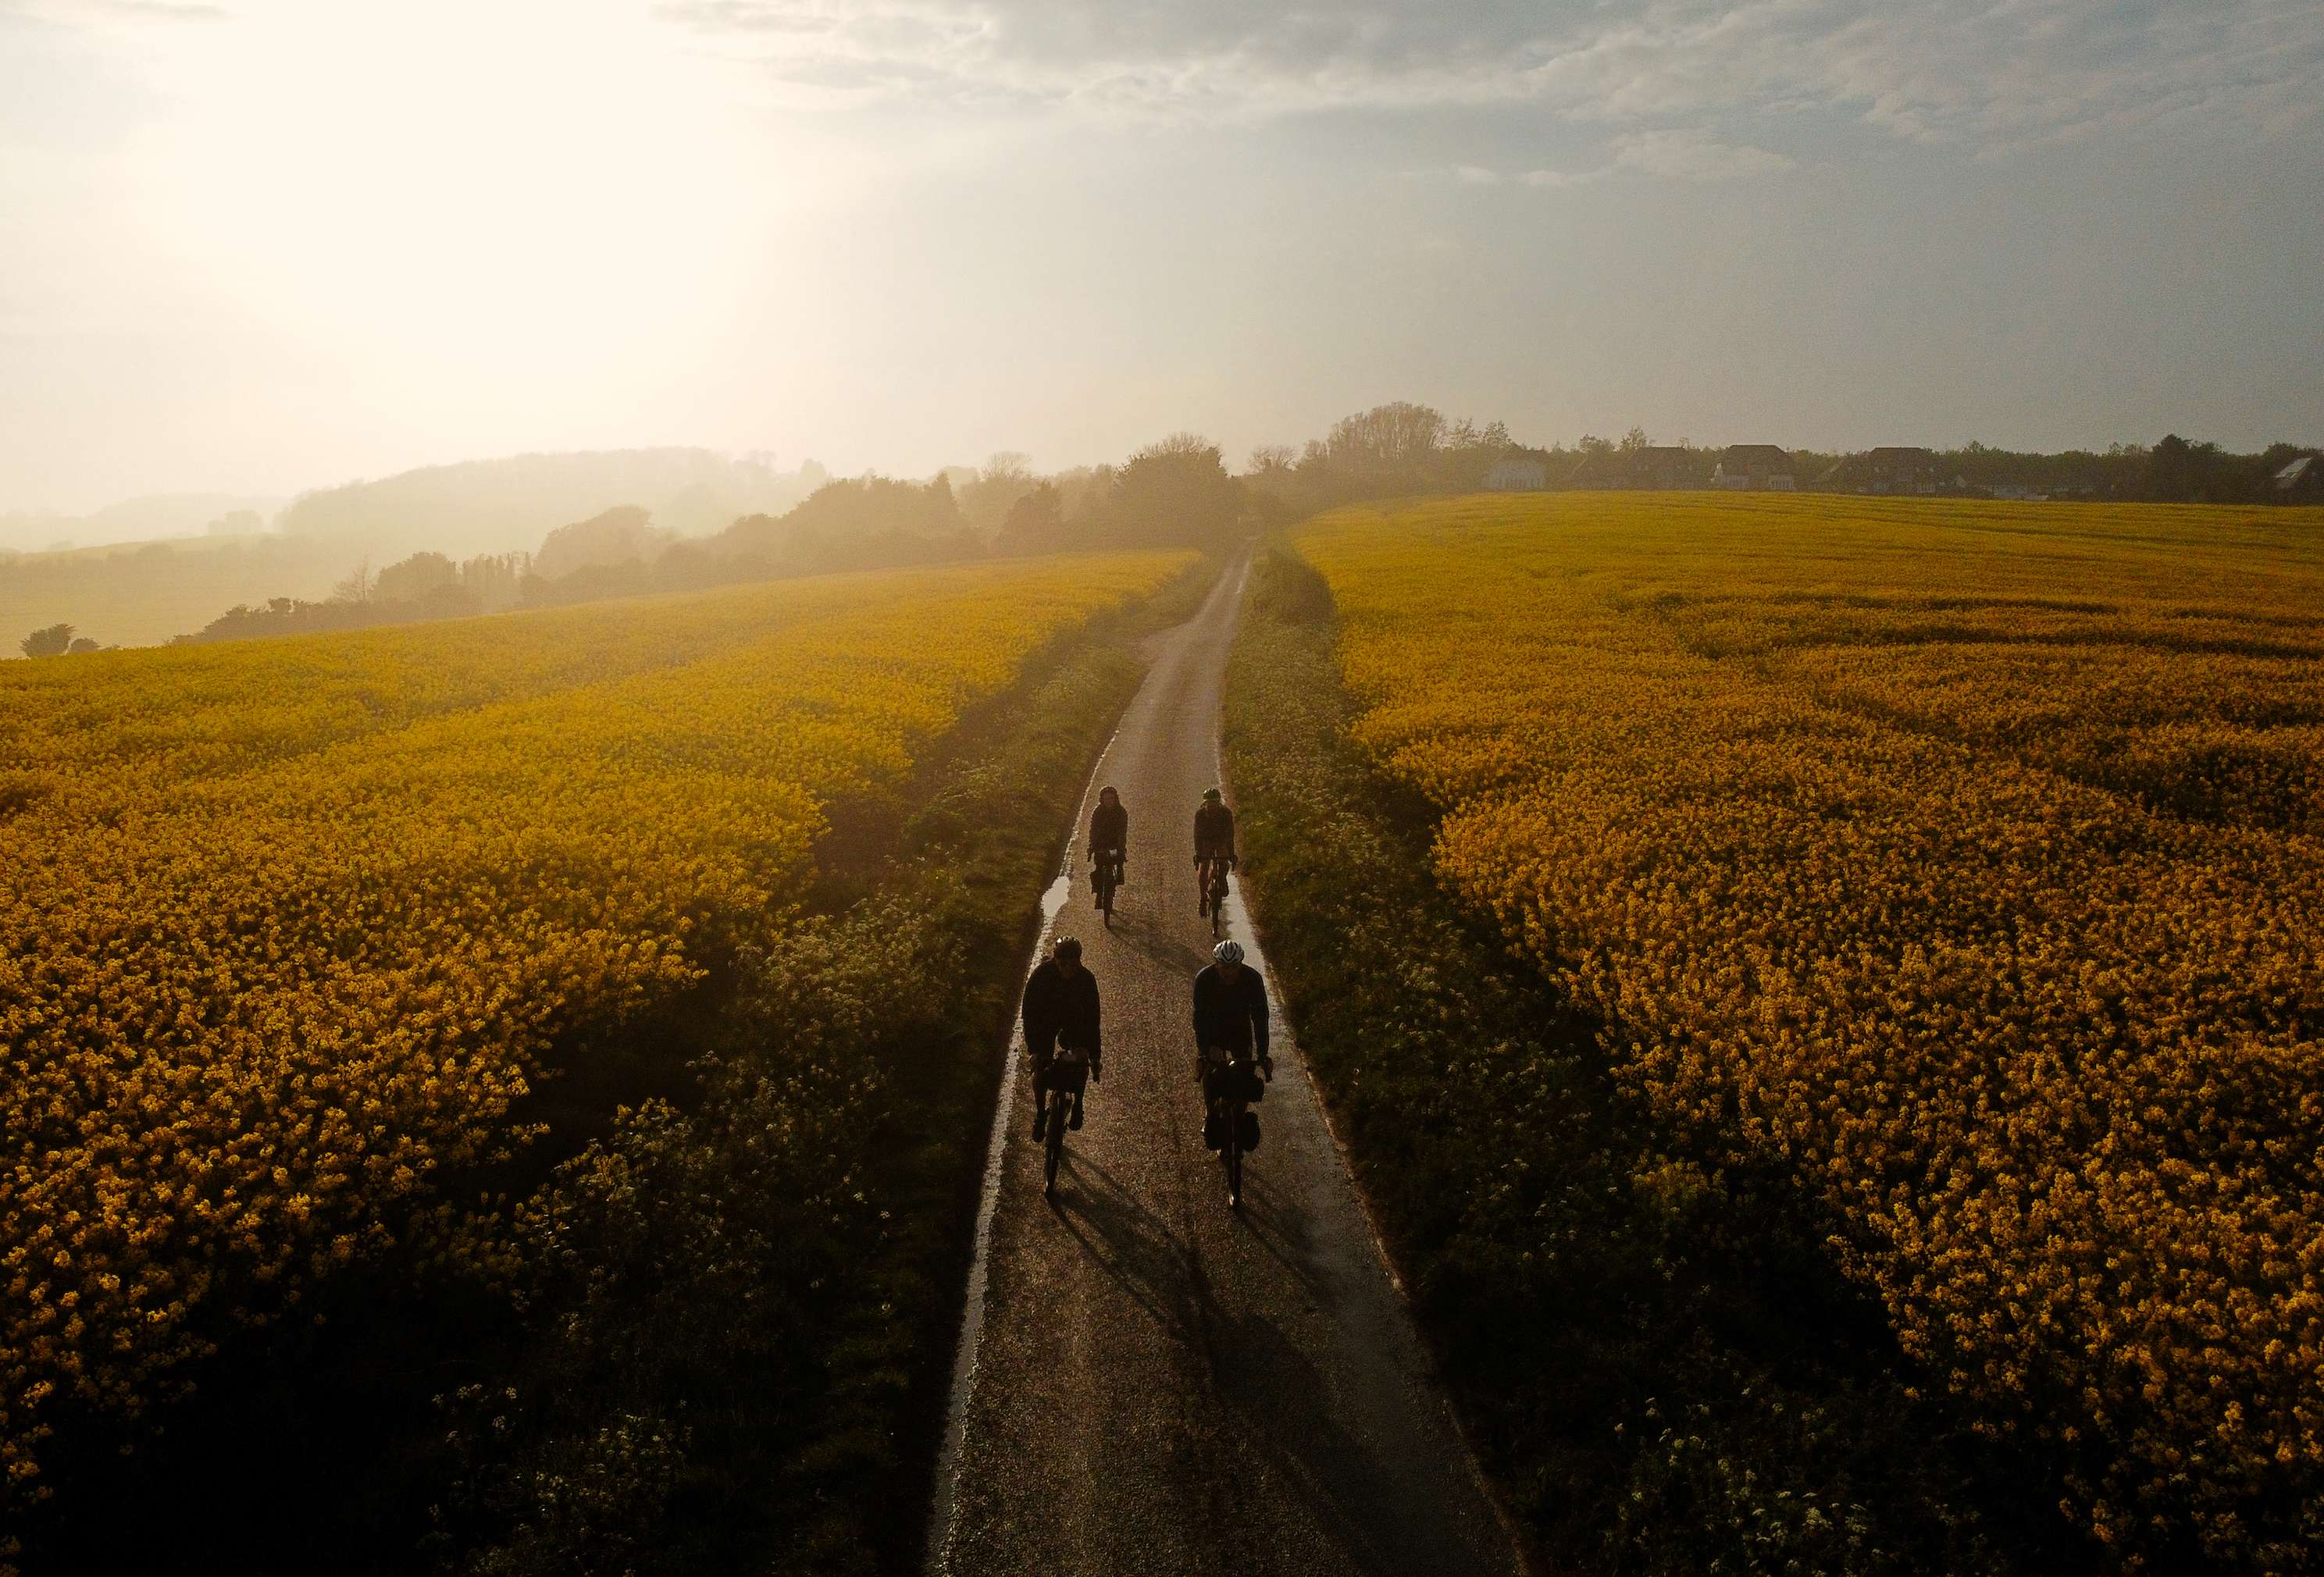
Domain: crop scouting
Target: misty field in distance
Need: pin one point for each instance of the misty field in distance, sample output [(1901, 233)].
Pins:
[(1958, 858)]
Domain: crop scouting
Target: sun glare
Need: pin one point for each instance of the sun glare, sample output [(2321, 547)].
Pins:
[(511, 186)]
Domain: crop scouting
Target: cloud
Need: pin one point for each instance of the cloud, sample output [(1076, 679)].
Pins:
[(1677, 153), (1978, 73), (97, 13), (1683, 154)]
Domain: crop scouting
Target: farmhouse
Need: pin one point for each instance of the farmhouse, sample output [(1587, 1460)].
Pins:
[(2302, 481), (1517, 476), (1754, 468), (1899, 469), (1663, 466)]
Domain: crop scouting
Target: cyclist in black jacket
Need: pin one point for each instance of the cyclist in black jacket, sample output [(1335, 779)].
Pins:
[(1109, 832), (1060, 1007), (1230, 1013), (1215, 829)]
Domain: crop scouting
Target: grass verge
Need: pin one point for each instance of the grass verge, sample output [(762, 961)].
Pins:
[(1656, 1358)]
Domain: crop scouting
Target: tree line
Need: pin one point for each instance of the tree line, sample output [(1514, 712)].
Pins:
[(1176, 492)]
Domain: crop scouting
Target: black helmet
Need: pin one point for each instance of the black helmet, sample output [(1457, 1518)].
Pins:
[(1069, 948), (1213, 794)]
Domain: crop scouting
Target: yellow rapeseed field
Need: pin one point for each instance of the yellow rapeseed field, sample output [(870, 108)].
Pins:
[(1965, 858), (284, 925)]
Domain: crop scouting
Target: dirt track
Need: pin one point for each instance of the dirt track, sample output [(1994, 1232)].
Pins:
[(1157, 1384)]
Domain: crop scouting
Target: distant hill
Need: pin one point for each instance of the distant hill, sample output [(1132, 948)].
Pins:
[(137, 519), (497, 506), (142, 596)]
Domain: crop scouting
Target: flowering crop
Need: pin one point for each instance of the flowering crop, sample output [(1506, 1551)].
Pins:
[(1962, 859), (285, 924)]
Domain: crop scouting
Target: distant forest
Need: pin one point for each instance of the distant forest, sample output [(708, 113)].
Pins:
[(1179, 491)]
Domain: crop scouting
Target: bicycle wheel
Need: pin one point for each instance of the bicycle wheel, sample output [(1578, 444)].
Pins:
[(1232, 1151), (1105, 892), (1056, 1148)]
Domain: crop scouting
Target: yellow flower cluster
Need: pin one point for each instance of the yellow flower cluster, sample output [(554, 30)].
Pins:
[(1961, 858), (285, 924)]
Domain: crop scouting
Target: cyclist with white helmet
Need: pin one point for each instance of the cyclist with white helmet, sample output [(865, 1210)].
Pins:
[(1230, 1019)]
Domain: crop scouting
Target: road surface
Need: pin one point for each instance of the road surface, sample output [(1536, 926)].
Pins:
[(1149, 1382)]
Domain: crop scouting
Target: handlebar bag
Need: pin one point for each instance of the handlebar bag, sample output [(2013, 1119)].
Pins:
[(1234, 1081)]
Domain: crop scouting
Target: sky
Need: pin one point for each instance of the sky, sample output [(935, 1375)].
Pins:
[(269, 246)]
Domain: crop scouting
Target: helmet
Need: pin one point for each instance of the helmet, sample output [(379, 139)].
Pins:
[(1228, 953), (1069, 948), (1213, 794)]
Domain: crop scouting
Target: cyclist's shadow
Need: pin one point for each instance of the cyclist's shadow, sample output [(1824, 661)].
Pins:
[(1278, 1226), (1156, 939), (1281, 1398), (1289, 1421), (1130, 1244)]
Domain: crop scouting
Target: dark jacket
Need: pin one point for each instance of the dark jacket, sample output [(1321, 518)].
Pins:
[(1233, 1016), (1058, 1008), (1109, 828), (1213, 830)]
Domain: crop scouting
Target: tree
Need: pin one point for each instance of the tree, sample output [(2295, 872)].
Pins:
[(2180, 471), (357, 585), (1396, 434), (81, 646), (53, 641), (1176, 492), (1035, 523), (414, 579), (987, 498), (1633, 440)]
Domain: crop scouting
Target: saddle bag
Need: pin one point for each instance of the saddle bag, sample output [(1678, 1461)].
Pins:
[(1214, 1131), (1247, 1130)]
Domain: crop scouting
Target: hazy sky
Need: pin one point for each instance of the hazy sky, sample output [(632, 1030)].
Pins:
[(271, 245)]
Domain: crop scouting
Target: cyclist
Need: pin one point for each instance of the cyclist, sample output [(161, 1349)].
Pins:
[(1215, 836), (1060, 1008), (1108, 834), (1230, 1019)]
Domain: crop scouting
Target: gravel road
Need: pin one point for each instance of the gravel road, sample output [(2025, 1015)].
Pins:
[(1147, 1381)]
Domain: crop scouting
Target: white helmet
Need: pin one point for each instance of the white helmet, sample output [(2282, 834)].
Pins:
[(1228, 953)]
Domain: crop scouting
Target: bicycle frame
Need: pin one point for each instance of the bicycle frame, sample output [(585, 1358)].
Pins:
[(1106, 872), (1232, 1108), (1213, 874), (1068, 1058)]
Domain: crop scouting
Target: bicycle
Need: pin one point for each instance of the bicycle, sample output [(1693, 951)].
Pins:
[(1214, 880), (1229, 1087), (1106, 878), (1067, 1075)]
